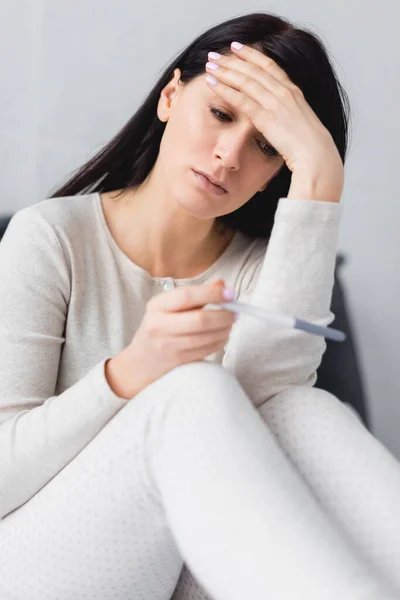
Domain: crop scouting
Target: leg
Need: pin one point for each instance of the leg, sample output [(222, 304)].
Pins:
[(243, 519), (353, 475), (91, 533), (186, 469)]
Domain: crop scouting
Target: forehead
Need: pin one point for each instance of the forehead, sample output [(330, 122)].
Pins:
[(206, 94), (200, 87)]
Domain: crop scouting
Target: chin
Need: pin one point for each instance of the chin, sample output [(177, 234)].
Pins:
[(198, 207), (194, 201)]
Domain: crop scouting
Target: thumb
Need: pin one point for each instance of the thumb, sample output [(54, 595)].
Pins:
[(219, 282), (226, 294)]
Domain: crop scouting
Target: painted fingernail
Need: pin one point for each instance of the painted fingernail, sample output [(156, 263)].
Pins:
[(211, 79), (229, 293), (212, 66), (214, 55), (237, 45)]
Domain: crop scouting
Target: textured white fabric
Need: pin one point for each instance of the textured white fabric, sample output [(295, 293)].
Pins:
[(70, 298), (187, 469), (350, 472)]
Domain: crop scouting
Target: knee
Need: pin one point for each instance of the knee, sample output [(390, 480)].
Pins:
[(198, 372), (208, 378), (301, 402), (199, 386), (304, 406)]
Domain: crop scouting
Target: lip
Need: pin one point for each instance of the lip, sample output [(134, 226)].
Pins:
[(212, 186)]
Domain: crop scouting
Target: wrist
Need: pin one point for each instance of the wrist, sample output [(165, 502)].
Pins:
[(119, 375), (325, 186)]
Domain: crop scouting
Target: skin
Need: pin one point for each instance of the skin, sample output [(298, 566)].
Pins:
[(178, 235)]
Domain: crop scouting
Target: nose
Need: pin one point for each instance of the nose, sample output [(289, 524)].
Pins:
[(229, 149)]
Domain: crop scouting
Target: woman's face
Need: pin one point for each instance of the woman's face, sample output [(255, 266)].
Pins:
[(227, 146)]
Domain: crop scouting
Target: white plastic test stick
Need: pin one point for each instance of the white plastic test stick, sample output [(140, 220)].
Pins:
[(293, 322)]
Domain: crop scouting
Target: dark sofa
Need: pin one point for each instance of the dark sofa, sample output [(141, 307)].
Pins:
[(339, 372)]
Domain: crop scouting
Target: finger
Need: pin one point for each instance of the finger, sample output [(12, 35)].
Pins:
[(188, 297), (247, 73), (201, 339), (198, 321), (253, 102), (199, 353), (266, 63)]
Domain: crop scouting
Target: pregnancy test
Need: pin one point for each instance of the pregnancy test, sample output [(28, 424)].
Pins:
[(293, 322)]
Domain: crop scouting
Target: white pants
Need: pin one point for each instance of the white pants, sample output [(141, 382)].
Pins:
[(304, 506)]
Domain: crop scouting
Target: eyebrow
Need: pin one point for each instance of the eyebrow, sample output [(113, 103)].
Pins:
[(257, 131)]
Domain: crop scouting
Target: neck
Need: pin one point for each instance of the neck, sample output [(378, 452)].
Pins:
[(167, 240)]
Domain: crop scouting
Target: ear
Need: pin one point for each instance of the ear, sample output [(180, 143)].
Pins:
[(169, 92)]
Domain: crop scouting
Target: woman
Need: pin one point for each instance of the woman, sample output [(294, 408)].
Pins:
[(139, 432)]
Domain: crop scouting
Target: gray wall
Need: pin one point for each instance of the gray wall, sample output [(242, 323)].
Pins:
[(73, 72)]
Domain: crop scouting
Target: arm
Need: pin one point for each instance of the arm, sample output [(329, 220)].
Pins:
[(39, 432), (296, 278)]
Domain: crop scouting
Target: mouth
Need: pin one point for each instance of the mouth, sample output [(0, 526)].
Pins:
[(209, 183)]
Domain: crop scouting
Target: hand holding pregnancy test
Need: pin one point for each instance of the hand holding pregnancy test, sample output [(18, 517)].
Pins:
[(265, 315)]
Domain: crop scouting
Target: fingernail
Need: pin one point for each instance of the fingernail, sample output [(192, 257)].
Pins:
[(214, 55), (211, 65), (211, 80), (237, 45), (229, 293)]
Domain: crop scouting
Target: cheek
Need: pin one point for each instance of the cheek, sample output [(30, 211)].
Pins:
[(197, 132), (258, 170), (186, 136)]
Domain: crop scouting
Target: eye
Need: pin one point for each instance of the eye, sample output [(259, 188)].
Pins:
[(221, 116), (269, 150)]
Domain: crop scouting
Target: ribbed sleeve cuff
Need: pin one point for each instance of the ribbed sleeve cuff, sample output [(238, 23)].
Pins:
[(102, 388), (306, 212)]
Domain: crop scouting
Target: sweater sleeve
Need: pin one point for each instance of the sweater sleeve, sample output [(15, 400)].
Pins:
[(295, 277), (40, 432)]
